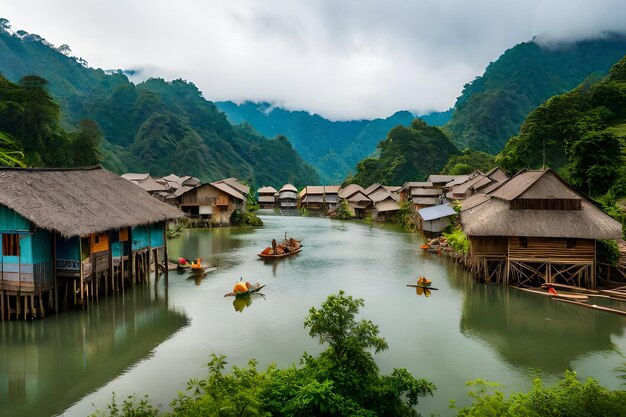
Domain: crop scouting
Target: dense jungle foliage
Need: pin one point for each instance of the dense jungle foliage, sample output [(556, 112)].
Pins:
[(492, 108), (582, 134), (156, 126), (31, 133), (408, 154)]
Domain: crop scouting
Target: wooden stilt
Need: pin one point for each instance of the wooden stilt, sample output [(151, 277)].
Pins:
[(54, 273), (2, 304), (42, 310)]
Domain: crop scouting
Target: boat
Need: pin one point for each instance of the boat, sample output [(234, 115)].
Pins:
[(554, 294), (428, 287), (244, 289), (269, 255)]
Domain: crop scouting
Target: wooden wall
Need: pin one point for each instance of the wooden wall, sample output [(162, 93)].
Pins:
[(554, 249), (488, 246)]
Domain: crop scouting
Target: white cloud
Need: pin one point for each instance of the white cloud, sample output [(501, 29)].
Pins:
[(342, 59)]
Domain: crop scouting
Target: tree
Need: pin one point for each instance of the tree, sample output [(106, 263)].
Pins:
[(10, 154), (86, 143), (5, 26)]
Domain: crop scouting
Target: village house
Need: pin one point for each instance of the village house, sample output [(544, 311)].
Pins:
[(167, 189), (533, 229), (422, 194), (477, 182), (319, 197), (358, 202), (385, 201), (267, 197), (288, 198), (214, 201), (433, 219), (76, 234)]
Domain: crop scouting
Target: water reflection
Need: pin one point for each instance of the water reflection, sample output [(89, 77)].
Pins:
[(241, 303), (536, 332), (47, 364)]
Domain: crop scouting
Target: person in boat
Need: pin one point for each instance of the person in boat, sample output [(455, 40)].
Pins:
[(241, 287), (274, 246), (196, 265)]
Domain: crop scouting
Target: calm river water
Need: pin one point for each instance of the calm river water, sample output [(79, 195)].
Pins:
[(145, 342)]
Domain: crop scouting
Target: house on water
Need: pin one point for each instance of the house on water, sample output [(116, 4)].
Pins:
[(288, 198), (214, 202), (533, 229), (358, 202), (267, 197), (70, 235)]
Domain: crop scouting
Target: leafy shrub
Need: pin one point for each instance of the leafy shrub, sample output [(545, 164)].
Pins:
[(607, 252), (244, 218), (458, 241)]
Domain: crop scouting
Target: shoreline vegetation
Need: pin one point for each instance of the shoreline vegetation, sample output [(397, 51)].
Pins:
[(344, 380)]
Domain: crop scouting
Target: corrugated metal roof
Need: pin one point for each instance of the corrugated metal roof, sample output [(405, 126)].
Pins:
[(436, 212)]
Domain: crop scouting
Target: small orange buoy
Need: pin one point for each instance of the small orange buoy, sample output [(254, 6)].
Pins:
[(424, 247)]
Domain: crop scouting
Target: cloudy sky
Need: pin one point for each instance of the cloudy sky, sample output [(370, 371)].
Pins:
[(343, 59)]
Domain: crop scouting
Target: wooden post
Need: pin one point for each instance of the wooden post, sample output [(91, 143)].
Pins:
[(148, 253), (54, 272), (166, 259), (156, 265), (110, 277), (80, 260), (593, 266), (131, 266)]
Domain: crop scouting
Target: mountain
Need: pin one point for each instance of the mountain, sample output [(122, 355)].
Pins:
[(581, 133), (492, 107), (155, 126), (333, 147), (407, 154)]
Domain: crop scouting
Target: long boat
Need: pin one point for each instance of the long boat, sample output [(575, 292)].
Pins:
[(567, 296), (252, 290), (282, 255)]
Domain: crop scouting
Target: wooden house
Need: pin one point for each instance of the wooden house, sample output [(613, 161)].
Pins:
[(287, 198), (477, 182), (422, 194), (73, 231), (385, 201), (267, 197), (434, 219), (358, 203), (442, 181), (214, 201), (319, 197), (535, 228)]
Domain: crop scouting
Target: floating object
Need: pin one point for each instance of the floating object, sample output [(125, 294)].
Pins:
[(424, 247), (554, 294), (243, 290), (593, 306), (271, 255), (422, 286)]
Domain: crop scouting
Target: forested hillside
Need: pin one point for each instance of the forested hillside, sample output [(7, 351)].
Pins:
[(407, 154), (332, 147), (156, 126), (581, 133), (492, 107)]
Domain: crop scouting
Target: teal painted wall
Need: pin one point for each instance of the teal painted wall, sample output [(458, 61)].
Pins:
[(156, 235), (68, 248), (139, 235), (41, 246), (11, 221)]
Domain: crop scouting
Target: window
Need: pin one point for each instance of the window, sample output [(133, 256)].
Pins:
[(10, 244)]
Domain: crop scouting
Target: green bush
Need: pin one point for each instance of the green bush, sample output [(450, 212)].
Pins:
[(568, 398), (244, 218), (607, 252), (458, 241), (343, 211)]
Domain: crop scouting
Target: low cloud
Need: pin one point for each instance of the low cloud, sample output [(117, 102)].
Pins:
[(346, 59)]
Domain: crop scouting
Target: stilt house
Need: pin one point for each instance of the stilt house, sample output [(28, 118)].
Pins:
[(75, 234), (534, 229), (267, 197), (288, 197)]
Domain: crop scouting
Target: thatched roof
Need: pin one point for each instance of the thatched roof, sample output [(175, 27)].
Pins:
[(439, 179), (491, 215), (222, 186), (234, 184), (387, 204), (81, 201), (288, 187), (350, 190), (267, 190)]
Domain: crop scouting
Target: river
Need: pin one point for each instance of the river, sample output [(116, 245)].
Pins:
[(149, 342)]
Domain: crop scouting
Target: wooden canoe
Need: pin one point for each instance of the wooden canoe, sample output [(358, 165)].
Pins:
[(282, 255), (253, 290), (563, 295)]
